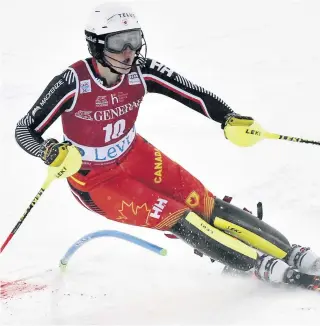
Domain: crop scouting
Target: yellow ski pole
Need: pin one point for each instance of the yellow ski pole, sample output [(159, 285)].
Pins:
[(270, 135), (243, 134), (70, 166)]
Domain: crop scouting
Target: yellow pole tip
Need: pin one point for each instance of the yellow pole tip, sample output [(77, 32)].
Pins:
[(63, 267), (163, 252)]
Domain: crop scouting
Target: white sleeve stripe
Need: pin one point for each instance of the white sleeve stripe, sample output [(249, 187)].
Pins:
[(25, 135), (28, 142), (187, 83), (26, 121), (25, 139), (76, 90), (31, 146), (69, 76), (179, 91), (142, 79)]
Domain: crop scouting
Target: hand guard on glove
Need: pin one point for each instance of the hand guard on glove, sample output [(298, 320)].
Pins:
[(53, 153), (241, 130)]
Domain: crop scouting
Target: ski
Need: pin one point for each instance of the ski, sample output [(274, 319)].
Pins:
[(293, 278)]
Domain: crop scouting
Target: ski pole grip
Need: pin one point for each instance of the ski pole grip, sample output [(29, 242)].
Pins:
[(71, 165)]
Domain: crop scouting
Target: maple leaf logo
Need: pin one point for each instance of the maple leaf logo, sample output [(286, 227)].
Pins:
[(132, 210), (193, 199)]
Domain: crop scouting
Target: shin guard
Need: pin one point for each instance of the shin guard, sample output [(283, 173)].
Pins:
[(214, 243), (249, 229)]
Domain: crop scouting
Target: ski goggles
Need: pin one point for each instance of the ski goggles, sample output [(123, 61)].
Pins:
[(116, 43)]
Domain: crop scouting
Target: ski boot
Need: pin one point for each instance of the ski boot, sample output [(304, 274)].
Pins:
[(304, 260), (271, 269), (276, 272)]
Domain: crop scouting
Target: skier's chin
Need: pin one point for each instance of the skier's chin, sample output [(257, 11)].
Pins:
[(123, 70)]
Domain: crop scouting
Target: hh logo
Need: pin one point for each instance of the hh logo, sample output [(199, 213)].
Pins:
[(193, 199), (158, 207), (85, 86), (161, 68)]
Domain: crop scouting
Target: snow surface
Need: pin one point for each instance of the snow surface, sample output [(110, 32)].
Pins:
[(263, 59)]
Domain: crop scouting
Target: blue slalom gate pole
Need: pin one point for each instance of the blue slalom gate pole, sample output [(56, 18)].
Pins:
[(109, 233)]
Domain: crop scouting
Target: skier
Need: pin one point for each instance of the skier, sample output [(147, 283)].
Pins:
[(125, 178)]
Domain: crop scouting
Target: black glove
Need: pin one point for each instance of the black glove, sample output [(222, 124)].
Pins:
[(234, 119), (52, 152)]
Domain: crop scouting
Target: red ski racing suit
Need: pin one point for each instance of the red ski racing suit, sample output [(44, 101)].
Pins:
[(122, 177)]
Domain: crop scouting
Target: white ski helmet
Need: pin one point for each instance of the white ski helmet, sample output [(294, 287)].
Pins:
[(113, 27)]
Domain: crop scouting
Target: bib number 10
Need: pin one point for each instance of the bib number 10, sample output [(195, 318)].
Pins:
[(114, 130)]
